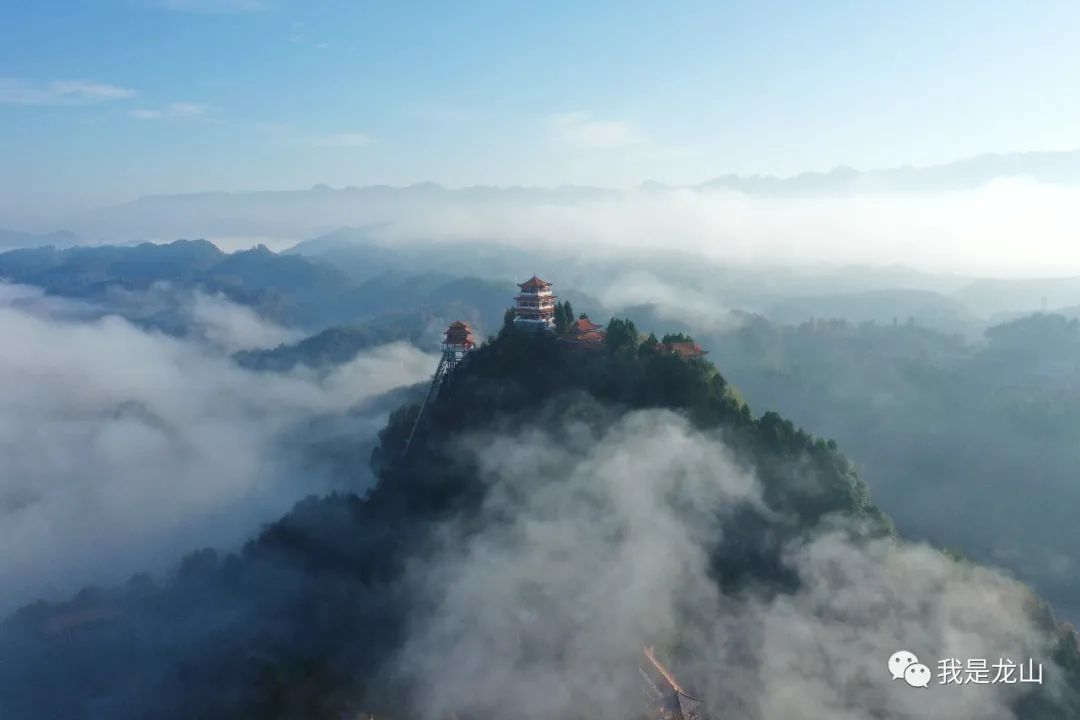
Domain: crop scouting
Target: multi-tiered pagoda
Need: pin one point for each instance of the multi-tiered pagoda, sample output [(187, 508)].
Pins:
[(458, 337), (535, 305)]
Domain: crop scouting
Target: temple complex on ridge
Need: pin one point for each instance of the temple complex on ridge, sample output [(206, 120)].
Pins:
[(584, 333), (535, 305)]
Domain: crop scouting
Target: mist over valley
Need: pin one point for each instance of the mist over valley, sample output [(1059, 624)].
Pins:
[(620, 361)]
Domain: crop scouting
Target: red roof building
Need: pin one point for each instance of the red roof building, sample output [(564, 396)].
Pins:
[(534, 284), (685, 350), (583, 325), (583, 332), (459, 336), (535, 304)]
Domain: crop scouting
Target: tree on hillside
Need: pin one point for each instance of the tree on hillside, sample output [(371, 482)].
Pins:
[(649, 346), (622, 334), (508, 322), (564, 317)]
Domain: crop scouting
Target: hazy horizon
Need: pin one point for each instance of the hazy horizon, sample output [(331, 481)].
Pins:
[(981, 226), (940, 138), (232, 94)]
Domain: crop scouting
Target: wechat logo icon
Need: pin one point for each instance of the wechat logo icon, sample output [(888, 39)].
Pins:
[(903, 665)]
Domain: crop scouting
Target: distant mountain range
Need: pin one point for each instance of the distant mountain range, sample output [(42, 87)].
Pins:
[(10, 239), (295, 214), (347, 277), (1058, 168), (292, 289)]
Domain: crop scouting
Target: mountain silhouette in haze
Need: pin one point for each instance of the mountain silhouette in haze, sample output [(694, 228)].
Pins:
[(17, 239), (1059, 168), (321, 209)]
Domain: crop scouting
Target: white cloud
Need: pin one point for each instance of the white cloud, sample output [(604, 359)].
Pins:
[(581, 130), (233, 327), (680, 302), (550, 594), (14, 91), (109, 432), (1010, 227), (173, 111)]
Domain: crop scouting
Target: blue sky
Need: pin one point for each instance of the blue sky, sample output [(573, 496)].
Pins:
[(107, 100)]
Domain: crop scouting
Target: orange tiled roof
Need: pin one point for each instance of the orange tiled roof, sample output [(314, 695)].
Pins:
[(459, 333), (583, 325), (534, 283), (685, 349), (589, 339)]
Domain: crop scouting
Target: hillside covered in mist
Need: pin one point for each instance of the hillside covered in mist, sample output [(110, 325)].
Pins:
[(967, 443), (929, 383), (791, 433), (558, 510)]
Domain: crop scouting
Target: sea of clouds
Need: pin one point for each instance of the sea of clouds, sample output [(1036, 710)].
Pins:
[(122, 448)]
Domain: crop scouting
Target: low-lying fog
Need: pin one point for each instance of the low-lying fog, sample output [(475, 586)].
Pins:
[(122, 449)]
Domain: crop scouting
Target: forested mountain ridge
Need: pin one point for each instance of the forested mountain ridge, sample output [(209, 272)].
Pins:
[(934, 421), (285, 288), (334, 609), (507, 380), (16, 239), (290, 289)]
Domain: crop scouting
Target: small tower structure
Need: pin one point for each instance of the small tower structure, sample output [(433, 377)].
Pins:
[(458, 341), (535, 305)]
